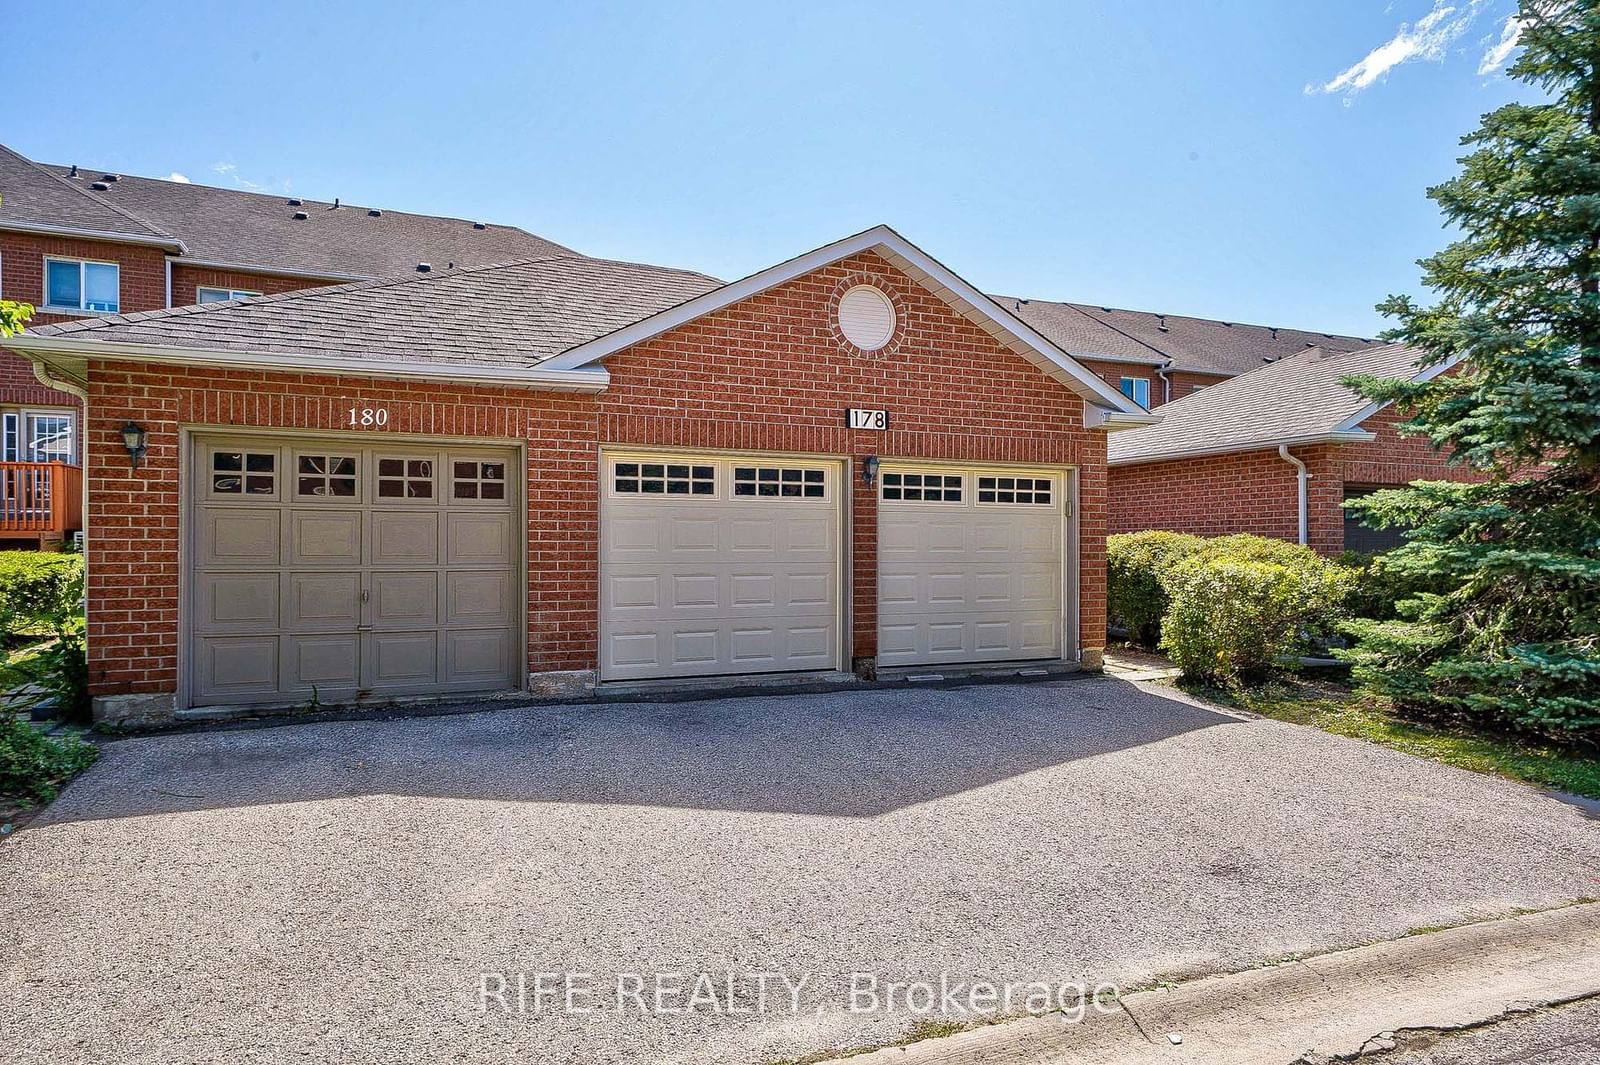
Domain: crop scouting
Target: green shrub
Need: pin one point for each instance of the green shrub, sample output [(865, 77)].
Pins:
[(1229, 620), (1244, 547), (34, 767), (1135, 564), (1380, 585), (60, 668), (32, 584)]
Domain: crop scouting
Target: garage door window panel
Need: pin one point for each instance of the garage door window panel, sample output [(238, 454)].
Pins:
[(779, 482), (244, 473), (922, 487), (1017, 491), (406, 477), (664, 478), (324, 476), (478, 480)]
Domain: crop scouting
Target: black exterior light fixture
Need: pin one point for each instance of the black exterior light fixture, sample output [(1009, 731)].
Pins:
[(869, 470), (133, 437)]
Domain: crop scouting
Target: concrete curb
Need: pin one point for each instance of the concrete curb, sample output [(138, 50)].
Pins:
[(1330, 1007)]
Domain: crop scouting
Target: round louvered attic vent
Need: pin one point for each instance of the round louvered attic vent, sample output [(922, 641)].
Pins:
[(866, 317)]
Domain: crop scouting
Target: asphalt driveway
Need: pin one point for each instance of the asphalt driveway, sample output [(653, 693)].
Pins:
[(336, 891)]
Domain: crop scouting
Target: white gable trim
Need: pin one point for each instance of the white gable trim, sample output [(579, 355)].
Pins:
[(916, 264), (1353, 422)]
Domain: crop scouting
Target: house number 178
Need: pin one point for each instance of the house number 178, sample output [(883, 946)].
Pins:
[(368, 417)]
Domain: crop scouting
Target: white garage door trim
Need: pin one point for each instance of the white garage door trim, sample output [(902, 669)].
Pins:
[(640, 635), (193, 447), (929, 618)]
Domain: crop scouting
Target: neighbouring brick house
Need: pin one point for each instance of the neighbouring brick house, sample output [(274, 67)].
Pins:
[(1157, 358), (77, 243), (1275, 452), (560, 469)]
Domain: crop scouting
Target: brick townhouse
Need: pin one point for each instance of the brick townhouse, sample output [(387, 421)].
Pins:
[(76, 242), (1275, 452), (1157, 358), (561, 470)]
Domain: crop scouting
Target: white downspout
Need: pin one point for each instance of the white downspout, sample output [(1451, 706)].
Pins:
[(42, 373), (1302, 476), (1166, 382)]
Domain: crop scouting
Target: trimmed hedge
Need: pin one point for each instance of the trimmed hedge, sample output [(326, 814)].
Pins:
[(1230, 619), (1135, 564), (32, 584)]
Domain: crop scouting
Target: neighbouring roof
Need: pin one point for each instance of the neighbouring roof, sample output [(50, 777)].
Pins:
[(251, 230), (33, 197), (553, 316), (1202, 345), (260, 231), (515, 314), (1295, 400)]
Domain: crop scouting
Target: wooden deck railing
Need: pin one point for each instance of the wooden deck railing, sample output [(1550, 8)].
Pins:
[(42, 500)]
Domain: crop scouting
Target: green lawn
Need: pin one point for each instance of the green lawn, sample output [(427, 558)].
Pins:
[(1336, 709)]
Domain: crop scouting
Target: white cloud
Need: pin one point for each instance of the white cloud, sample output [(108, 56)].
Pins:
[(231, 172), (1496, 57), (1428, 39), (182, 179)]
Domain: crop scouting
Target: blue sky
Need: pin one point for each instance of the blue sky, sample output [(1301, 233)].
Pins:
[(1252, 160)]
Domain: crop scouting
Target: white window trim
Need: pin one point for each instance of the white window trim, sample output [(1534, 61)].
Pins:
[(1136, 382), (228, 293), (58, 308)]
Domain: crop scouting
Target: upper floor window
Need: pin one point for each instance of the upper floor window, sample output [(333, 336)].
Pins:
[(1137, 389), (218, 295), (81, 285)]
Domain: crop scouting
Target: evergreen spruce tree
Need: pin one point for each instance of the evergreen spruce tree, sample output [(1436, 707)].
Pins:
[(1517, 641)]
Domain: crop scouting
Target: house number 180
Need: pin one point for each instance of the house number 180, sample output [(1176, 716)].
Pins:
[(366, 417)]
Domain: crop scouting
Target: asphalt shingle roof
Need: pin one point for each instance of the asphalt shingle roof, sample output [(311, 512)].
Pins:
[(1200, 344), (511, 314), (260, 230), (32, 195), (1299, 396)]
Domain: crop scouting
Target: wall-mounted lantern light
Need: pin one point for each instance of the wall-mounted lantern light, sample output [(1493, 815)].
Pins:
[(869, 470), (133, 436)]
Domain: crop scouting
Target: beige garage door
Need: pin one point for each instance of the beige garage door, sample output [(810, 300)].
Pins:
[(969, 564), (716, 564), (322, 566)]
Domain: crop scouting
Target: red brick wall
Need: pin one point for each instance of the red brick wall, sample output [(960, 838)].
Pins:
[(1112, 374), (186, 280), (1243, 492), (769, 376), (1393, 459), (766, 375), (1183, 381), (1255, 491), (142, 277)]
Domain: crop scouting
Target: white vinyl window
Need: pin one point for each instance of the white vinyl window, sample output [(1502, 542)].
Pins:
[(10, 436), (81, 285), (48, 436), (1137, 389), (219, 295)]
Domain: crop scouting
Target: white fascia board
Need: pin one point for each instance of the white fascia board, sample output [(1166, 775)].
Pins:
[(1047, 356), (1350, 423), (168, 243), (273, 271), (1099, 418), (1269, 444), (591, 380)]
